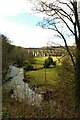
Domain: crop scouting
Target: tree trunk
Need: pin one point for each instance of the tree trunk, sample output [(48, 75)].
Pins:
[(77, 66), (77, 73)]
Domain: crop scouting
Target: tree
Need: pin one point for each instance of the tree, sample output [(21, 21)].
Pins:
[(6, 55), (49, 61), (62, 17), (12, 54), (19, 56)]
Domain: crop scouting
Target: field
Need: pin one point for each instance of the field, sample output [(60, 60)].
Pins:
[(40, 60), (44, 76)]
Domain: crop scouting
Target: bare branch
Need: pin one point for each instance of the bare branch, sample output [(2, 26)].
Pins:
[(56, 16), (66, 46), (66, 5), (61, 17)]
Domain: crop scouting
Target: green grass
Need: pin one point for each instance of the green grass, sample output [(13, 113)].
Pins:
[(38, 77), (39, 61)]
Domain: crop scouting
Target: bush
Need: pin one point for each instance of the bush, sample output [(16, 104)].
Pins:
[(49, 62), (54, 63), (46, 64), (5, 115), (28, 67)]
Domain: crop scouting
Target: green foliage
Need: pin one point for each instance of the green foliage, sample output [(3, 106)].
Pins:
[(5, 115), (30, 58), (28, 67), (66, 73), (49, 61), (19, 56), (6, 55), (13, 55)]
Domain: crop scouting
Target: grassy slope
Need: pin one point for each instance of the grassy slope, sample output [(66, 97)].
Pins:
[(38, 77)]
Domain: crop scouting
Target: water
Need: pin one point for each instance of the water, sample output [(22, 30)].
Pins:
[(21, 90)]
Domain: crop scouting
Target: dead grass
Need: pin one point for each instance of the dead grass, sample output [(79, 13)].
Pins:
[(60, 106)]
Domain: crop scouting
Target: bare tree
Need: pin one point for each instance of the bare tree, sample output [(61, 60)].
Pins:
[(62, 17)]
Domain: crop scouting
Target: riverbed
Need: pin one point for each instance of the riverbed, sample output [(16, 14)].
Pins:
[(21, 90)]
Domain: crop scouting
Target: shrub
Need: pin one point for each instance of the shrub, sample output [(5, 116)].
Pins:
[(49, 62), (28, 67), (54, 63), (46, 64)]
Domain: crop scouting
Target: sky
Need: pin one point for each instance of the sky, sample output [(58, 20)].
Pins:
[(19, 24)]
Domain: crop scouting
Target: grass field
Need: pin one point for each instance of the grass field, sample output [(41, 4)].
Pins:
[(40, 60), (42, 76)]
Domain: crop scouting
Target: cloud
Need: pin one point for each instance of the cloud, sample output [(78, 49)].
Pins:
[(25, 36), (22, 35), (32, 37), (19, 34), (13, 7), (29, 36)]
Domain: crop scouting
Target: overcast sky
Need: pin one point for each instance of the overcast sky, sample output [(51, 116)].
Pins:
[(19, 25)]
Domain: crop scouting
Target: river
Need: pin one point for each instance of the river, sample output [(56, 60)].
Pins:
[(21, 90)]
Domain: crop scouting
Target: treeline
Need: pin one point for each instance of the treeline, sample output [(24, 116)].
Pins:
[(13, 55), (19, 56)]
